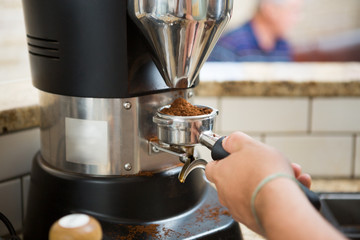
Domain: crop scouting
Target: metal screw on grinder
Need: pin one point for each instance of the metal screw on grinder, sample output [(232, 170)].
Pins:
[(127, 166), (190, 94), (127, 105), (155, 149)]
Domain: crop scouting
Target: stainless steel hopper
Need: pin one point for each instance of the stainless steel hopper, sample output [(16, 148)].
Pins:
[(182, 33)]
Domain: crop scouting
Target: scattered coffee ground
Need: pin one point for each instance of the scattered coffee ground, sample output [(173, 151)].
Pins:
[(151, 231), (224, 212), (140, 174), (171, 234), (153, 139), (160, 232), (138, 230), (181, 107), (211, 213), (145, 174)]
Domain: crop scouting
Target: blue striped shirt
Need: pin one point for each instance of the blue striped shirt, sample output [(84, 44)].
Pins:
[(241, 45)]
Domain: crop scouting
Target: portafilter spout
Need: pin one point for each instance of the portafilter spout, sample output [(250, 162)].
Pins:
[(181, 33), (214, 143)]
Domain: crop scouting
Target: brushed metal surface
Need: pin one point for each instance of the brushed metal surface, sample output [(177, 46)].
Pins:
[(128, 132)]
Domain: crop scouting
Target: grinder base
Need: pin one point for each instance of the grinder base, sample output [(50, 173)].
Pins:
[(206, 221), (128, 207)]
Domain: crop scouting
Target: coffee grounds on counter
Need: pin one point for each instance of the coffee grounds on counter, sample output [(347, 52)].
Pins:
[(138, 230), (209, 212), (181, 107)]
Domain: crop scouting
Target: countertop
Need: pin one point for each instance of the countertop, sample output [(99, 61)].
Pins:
[(280, 79), (18, 106), (19, 99)]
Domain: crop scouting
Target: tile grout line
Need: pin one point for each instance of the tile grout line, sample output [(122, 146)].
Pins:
[(310, 115), (22, 201), (13, 178), (262, 138), (353, 156), (219, 106)]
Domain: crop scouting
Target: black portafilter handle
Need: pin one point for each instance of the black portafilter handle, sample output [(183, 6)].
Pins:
[(218, 153)]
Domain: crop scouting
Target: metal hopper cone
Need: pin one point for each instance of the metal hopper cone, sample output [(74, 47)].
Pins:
[(182, 33)]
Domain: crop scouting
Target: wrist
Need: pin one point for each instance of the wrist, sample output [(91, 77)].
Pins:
[(276, 200)]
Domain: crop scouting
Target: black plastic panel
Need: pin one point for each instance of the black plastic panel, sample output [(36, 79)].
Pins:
[(88, 48)]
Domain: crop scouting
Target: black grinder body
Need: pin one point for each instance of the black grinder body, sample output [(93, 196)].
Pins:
[(88, 48)]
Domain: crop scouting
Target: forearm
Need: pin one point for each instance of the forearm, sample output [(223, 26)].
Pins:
[(285, 213)]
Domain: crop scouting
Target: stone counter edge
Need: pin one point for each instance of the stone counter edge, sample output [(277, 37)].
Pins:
[(278, 89), (19, 119)]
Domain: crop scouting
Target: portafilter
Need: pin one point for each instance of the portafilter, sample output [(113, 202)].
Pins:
[(180, 134)]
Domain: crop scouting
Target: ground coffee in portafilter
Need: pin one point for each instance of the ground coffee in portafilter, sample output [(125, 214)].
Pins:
[(181, 107)]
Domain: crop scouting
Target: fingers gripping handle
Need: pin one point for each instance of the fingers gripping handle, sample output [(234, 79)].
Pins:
[(218, 153)]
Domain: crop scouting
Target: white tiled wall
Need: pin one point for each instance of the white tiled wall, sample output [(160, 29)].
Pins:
[(16, 153), (357, 157), (10, 204), (319, 155), (337, 114), (321, 134), (264, 114)]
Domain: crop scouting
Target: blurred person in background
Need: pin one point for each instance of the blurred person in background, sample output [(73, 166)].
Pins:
[(263, 37)]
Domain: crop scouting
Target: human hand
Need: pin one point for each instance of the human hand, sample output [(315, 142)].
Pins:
[(237, 176), (304, 178)]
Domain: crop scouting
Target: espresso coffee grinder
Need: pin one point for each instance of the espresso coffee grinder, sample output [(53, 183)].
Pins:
[(104, 68)]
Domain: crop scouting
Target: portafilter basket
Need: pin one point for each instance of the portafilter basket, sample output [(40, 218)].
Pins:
[(187, 131), (183, 130)]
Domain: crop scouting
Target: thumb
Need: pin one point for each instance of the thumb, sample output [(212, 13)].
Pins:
[(235, 141)]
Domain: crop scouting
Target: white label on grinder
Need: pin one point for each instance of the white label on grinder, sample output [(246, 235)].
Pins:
[(86, 141), (74, 220)]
